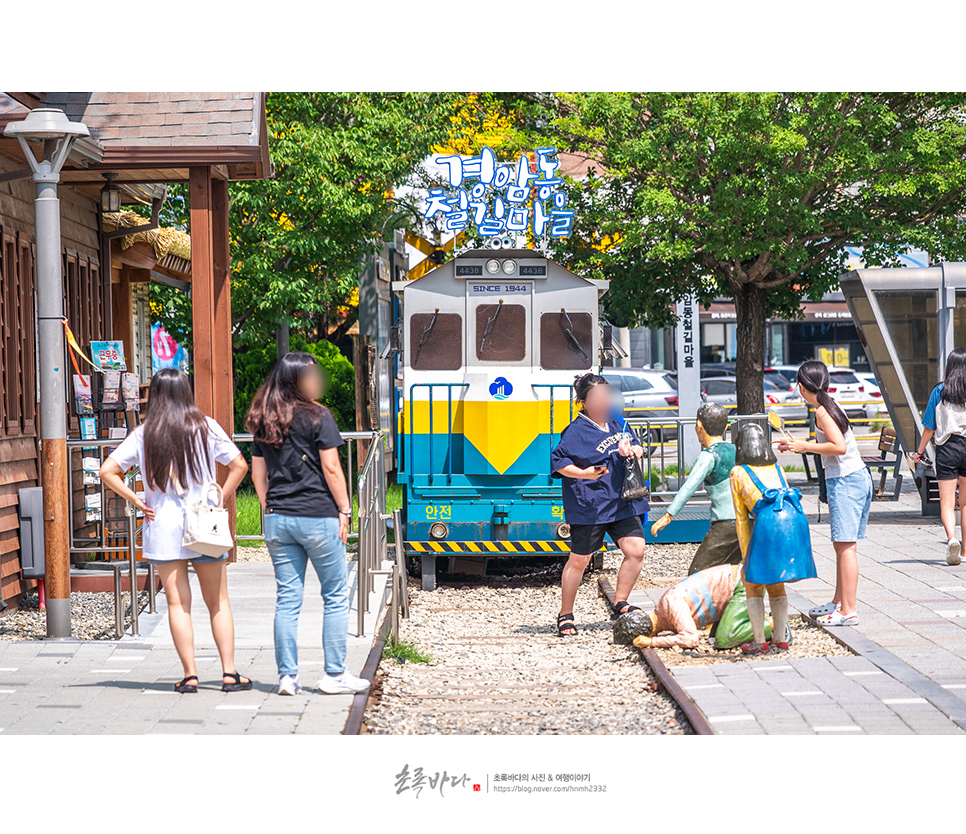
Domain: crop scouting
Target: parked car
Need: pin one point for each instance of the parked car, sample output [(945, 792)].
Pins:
[(717, 369), (647, 393), (724, 391), (872, 392), (772, 373), (790, 372), (845, 387)]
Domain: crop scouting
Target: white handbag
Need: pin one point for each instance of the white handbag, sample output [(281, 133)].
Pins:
[(206, 528)]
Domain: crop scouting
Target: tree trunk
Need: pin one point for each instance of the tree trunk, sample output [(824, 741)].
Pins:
[(752, 311)]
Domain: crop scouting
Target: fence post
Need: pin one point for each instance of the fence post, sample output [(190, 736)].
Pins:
[(132, 562)]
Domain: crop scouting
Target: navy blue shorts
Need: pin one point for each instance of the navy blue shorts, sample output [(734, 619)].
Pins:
[(587, 538)]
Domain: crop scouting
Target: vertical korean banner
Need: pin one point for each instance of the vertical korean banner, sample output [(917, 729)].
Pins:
[(688, 346)]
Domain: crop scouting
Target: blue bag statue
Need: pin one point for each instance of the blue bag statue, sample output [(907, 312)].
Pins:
[(780, 549)]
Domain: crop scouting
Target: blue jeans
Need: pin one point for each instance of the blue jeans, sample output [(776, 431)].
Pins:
[(292, 541)]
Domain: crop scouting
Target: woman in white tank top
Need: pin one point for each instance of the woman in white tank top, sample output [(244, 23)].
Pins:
[(848, 486)]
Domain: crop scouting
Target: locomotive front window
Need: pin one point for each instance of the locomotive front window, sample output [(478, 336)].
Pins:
[(566, 342), (436, 341), (501, 332)]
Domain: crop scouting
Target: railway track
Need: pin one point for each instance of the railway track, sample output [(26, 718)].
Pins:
[(500, 668)]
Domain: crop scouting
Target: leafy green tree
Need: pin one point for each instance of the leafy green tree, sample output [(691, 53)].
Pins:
[(252, 366), (754, 196), (298, 240)]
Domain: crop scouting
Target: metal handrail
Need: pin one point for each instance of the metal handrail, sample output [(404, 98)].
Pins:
[(411, 463), (373, 535), (648, 423), (570, 398)]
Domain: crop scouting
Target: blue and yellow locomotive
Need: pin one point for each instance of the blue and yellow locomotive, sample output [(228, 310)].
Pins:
[(490, 344)]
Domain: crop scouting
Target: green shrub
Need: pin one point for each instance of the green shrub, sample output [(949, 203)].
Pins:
[(252, 366)]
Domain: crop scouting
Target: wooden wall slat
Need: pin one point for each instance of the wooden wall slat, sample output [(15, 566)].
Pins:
[(83, 294)]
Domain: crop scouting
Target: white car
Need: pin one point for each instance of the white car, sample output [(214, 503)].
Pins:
[(872, 392), (846, 389)]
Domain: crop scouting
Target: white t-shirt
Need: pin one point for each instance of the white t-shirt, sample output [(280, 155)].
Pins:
[(162, 537)]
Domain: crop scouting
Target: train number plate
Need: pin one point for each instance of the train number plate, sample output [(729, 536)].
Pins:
[(502, 289)]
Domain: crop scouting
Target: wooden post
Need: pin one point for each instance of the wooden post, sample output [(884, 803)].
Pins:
[(122, 315), (211, 301)]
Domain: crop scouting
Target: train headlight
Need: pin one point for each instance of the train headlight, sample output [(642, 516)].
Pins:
[(563, 530), (439, 530), (510, 267), (493, 266)]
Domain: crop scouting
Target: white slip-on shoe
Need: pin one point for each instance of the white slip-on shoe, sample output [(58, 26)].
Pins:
[(342, 684), (836, 618), (289, 685), (821, 610), (952, 553)]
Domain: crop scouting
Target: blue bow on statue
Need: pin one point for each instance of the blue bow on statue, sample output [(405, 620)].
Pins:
[(776, 497)]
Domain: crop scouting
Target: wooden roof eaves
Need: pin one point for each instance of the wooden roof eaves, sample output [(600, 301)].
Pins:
[(166, 157)]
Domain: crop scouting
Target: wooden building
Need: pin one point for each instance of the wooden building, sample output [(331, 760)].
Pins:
[(146, 140)]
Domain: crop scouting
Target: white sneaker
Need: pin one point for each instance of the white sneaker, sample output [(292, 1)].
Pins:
[(342, 684), (822, 610), (289, 685), (952, 553)]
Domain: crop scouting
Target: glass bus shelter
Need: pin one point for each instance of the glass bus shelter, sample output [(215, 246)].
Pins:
[(908, 319)]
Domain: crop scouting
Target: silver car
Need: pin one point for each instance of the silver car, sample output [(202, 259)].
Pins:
[(786, 404), (647, 393)]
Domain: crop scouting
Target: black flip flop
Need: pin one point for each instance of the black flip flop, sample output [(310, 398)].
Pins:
[(237, 686), (184, 687)]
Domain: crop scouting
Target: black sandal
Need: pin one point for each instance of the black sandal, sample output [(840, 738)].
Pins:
[(565, 626), (237, 686), (616, 609), (184, 687)]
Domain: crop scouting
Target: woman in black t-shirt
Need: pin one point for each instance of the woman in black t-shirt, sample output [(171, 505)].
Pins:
[(302, 490)]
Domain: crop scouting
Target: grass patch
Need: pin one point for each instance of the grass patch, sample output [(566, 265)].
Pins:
[(248, 518), (407, 652)]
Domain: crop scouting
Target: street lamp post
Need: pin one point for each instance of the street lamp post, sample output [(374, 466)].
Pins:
[(58, 134)]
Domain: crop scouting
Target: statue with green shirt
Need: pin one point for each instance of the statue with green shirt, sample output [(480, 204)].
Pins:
[(712, 469)]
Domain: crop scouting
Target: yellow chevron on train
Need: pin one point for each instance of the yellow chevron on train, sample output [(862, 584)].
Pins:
[(500, 431)]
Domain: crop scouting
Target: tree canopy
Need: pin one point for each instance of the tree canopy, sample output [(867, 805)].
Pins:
[(755, 195)]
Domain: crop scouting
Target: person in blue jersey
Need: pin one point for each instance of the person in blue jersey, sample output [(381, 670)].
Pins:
[(589, 460), (944, 421)]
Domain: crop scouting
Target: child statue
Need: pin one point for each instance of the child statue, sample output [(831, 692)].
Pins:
[(712, 469), (780, 551), (695, 603)]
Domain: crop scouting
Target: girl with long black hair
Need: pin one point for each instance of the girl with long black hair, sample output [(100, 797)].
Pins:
[(848, 485), (302, 490), (944, 421), (176, 449)]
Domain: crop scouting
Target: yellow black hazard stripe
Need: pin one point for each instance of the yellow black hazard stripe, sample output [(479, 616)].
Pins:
[(484, 548)]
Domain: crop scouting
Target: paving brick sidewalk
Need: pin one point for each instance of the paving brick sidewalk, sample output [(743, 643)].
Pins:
[(125, 686), (911, 633)]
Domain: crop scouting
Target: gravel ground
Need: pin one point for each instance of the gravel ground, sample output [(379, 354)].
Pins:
[(252, 554), (667, 564), (92, 617), (500, 667)]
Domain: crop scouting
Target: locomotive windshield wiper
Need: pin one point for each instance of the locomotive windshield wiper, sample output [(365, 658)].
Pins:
[(489, 323), (425, 333), (569, 331)]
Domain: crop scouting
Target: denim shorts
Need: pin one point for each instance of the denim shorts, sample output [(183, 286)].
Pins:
[(200, 559), (849, 501)]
